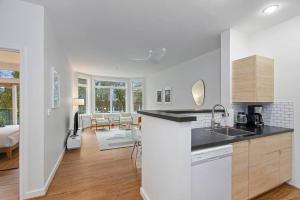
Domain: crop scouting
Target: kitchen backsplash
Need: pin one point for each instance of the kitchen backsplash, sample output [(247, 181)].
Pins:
[(279, 114), (204, 119)]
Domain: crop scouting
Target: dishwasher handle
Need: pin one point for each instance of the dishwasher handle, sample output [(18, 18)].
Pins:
[(216, 158), (200, 160)]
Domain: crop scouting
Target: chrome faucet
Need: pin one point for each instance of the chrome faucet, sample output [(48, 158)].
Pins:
[(215, 124)]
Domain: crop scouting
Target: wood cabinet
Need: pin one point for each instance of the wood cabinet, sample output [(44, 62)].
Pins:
[(261, 164), (253, 79), (240, 170), (264, 173), (285, 165), (269, 163)]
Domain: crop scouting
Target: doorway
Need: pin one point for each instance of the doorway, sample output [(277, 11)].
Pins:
[(10, 124)]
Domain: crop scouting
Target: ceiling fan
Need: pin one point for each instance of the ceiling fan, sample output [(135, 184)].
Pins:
[(154, 56)]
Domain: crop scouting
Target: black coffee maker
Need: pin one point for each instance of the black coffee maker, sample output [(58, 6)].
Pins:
[(254, 117)]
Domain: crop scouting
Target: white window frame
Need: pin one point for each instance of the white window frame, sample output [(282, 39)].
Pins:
[(143, 93), (111, 92)]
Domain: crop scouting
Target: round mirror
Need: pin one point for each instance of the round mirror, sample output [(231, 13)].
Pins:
[(198, 91)]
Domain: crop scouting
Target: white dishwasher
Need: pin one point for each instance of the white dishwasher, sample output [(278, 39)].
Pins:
[(211, 173)]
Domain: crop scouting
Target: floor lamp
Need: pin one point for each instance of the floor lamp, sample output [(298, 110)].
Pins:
[(76, 103)]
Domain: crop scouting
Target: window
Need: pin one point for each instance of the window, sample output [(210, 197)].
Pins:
[(110, 83), (9, 74), (6, 111), (118, 99), (18, 104), (102, 97), (110, 96), (137, 95), (9, 97), (83, 94), (82, 81)]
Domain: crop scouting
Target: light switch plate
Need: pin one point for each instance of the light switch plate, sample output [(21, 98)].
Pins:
[(49, 111)]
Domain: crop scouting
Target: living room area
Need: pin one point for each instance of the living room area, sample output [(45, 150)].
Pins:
[(108, 106), (109, 155)]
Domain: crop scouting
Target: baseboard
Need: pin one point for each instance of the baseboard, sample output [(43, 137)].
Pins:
[(34, 193), (43, 191), (52, 174), (294, 184), (143, 194)]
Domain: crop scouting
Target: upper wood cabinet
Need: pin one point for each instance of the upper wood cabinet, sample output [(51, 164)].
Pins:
[(253, 79)]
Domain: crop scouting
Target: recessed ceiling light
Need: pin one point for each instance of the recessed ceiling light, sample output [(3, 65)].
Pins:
[(270, 9)]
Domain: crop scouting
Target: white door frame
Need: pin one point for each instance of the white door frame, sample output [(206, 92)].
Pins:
[(23, 143)]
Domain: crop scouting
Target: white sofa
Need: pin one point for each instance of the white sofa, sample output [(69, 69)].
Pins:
[(85, 119)]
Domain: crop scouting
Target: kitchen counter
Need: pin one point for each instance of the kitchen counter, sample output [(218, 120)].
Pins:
[(176, 115), (202, 138), (169, 138)]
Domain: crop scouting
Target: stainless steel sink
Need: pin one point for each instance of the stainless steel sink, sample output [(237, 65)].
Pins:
[(232, 132)]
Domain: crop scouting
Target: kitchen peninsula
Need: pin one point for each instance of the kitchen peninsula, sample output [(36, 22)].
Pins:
[(169, 138)]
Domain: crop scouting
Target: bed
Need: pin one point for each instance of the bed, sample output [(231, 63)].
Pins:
[(9, 139)]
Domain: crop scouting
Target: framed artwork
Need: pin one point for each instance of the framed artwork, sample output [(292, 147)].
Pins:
[(55, 89), (159, 96), (168, 95)]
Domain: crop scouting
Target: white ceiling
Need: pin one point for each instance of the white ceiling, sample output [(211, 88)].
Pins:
[(100, 35)]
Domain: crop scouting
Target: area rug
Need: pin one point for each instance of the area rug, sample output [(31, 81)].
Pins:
[(13, 163), (114, 139)]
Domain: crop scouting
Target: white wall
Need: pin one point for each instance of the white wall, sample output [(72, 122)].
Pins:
[(239, 45), (22, 26), (181, 79), (57, 123), (282, 42), (234, 45), (166, 165), (225, 69)]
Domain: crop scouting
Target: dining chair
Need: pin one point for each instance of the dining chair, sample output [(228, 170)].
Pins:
[(137, 145)]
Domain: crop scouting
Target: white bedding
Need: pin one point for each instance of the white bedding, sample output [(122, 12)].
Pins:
[(9, 135)]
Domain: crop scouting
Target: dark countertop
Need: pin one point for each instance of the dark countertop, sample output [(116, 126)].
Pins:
[(202, 138), (176, 115)]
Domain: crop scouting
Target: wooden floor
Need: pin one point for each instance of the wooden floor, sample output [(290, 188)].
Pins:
[(12, 163), (9, 179), (90, 174), (9, 184), (284, 192)]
